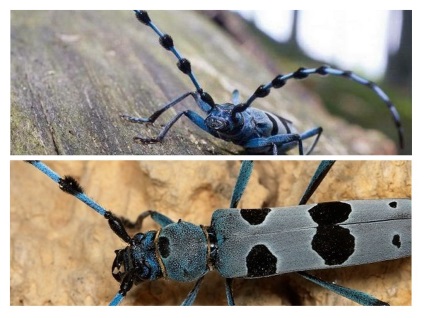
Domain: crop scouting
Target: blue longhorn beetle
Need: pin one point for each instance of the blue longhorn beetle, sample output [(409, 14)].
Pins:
[(258, 131), (255, 243)]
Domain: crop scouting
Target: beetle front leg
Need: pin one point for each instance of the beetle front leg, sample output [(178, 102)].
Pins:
[(194, 117), (156, 114)]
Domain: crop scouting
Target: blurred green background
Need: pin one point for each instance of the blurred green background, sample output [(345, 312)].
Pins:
[(368, 110)]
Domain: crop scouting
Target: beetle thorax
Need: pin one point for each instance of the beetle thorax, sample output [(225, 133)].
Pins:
[(183, 250)]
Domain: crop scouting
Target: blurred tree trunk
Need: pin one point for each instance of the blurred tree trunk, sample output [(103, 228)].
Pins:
[(399, 68), (292, 41)]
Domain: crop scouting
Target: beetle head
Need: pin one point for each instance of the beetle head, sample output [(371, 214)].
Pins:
[(222, 119), (137, 262)]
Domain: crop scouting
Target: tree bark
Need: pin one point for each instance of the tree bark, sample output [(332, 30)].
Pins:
[(74, 72)]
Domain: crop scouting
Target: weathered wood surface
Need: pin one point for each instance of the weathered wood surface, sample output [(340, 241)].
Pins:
[(62, 252), (74, 72)]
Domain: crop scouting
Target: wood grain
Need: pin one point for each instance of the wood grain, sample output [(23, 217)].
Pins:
[(74, 72)]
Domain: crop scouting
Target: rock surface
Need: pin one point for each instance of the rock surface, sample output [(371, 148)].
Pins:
[(61, 251)]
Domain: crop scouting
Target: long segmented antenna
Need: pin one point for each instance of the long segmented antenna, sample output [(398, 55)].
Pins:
[(280, 80), (168, 43), (71, 186)]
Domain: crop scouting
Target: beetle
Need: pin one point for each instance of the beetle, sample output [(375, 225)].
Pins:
[(256, 130)]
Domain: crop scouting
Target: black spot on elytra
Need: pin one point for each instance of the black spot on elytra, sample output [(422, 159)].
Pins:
[(163, 244), (254, 216), (333, 243), (396, 240), (330, 212), (393, 204), (260, 262)]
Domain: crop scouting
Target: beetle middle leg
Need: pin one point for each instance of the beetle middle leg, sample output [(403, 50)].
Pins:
[(284, 142), (275, 142)]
